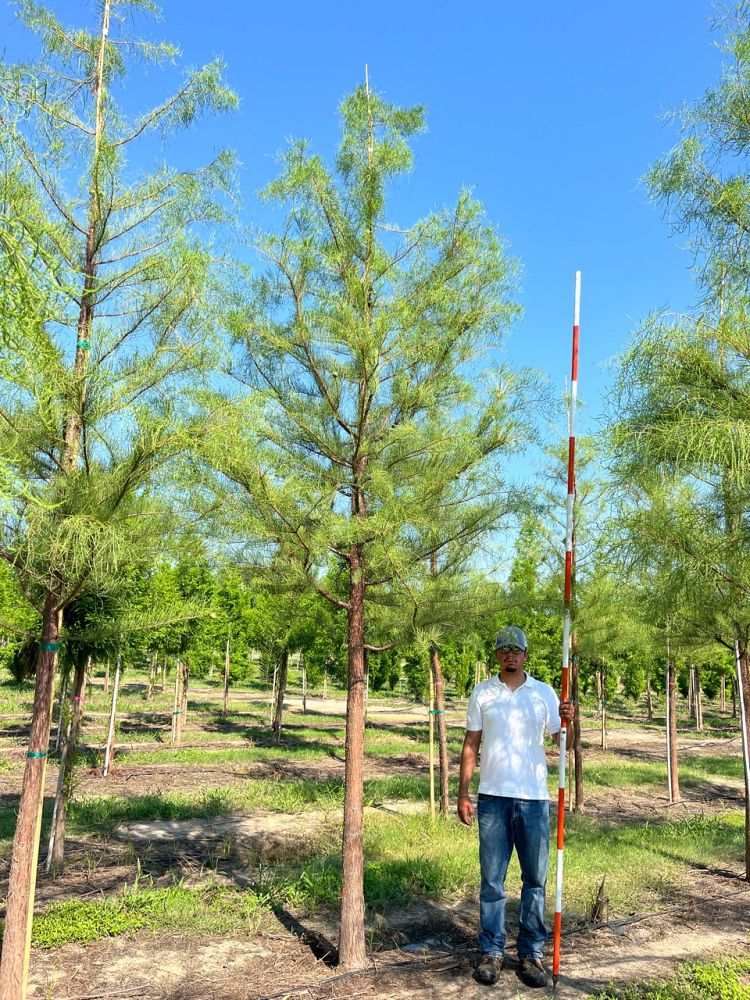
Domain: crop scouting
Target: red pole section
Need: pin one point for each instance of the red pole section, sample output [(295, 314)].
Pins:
[(569, 558)]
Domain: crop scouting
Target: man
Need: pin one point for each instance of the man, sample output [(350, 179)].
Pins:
[(509, 715)]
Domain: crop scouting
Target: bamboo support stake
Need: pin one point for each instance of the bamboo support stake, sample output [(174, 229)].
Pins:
[(745, 752), (61, 714), (226, 681), (566, 630), (273, 694), (176, 705), (431, 728), (112, 716)]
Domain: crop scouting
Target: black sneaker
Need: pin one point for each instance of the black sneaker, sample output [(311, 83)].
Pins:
[(531, 972), (489, 969)]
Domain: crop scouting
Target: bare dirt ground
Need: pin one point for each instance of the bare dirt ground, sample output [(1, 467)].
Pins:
[(428, 951), (711, 919)]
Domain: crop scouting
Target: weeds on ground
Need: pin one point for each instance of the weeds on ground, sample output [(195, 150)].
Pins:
[(211, 910), (723, 980)]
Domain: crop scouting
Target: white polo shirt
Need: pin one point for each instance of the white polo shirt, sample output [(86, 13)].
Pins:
[(513, 724)]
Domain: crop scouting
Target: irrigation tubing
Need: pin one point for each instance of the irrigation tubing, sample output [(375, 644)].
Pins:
[(569, 555)]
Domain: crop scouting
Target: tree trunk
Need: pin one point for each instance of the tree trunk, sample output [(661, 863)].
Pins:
[(325, 684), (352, 952), (226, 682), (56, 852), (14, 963), (304, 687), (723, 694), (110, 748), (278, 711), (437, 679), (601, 682), (106, 678), (164, 675), (579, 805), (649, 701), (743, 697), (691, 691), (671, 727)]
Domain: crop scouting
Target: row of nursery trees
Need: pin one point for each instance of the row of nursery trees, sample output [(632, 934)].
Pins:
[(208, 610), (328, 416)]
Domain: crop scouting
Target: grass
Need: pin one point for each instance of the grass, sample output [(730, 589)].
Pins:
[(722, 980), (208, 910), (103, 814), (614, 772), (408, 858), (645, 863)]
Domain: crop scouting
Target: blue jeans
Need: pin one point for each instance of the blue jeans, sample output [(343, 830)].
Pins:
[(504, 824)]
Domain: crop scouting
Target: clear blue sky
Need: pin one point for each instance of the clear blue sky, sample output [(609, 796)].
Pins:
[(550, 111)]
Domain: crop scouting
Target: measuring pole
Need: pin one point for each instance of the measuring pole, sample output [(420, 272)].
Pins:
[(566, 628)]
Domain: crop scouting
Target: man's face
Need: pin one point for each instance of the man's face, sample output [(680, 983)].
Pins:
[(511, 659)]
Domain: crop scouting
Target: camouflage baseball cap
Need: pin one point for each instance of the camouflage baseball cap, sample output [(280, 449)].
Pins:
[(511, 635)]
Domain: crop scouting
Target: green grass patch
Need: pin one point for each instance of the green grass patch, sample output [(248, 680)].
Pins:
[(723, 980), (226, 755), (103, 814), (407, 858), (214, 910), (615, 772), (644, 863)]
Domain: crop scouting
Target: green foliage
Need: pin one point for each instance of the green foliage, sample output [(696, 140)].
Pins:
[(718, 980), (371, 425), (93, 384), (210, 909)]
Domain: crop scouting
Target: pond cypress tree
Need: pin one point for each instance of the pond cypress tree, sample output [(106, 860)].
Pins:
[(362, 341), (90, 396)]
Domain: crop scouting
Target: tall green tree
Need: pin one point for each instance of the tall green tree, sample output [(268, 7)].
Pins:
[(684, 383), (90, 396), (363, 341)]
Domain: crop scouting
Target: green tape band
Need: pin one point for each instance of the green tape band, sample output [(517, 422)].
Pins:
[(49, 647), (85, 345), (37, 753), (176, 713), (436, 711)]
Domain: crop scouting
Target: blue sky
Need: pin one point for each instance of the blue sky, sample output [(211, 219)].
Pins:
[(551, 112)]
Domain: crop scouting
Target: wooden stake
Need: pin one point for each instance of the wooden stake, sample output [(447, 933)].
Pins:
[(431, 728), (109, 750), (61, 714), (176, 706), (226, 681)]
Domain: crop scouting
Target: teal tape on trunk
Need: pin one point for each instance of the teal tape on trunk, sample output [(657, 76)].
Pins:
[(37, 753), (49, 647)]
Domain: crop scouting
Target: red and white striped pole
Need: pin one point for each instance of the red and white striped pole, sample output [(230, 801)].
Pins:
[(566, 630)]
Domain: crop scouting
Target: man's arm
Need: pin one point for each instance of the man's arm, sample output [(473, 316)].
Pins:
[(468, 762)]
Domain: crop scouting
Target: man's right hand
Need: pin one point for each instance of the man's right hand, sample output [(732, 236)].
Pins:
[(465, 810)]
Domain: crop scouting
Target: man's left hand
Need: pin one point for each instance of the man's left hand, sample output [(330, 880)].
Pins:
[(567, 711)]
